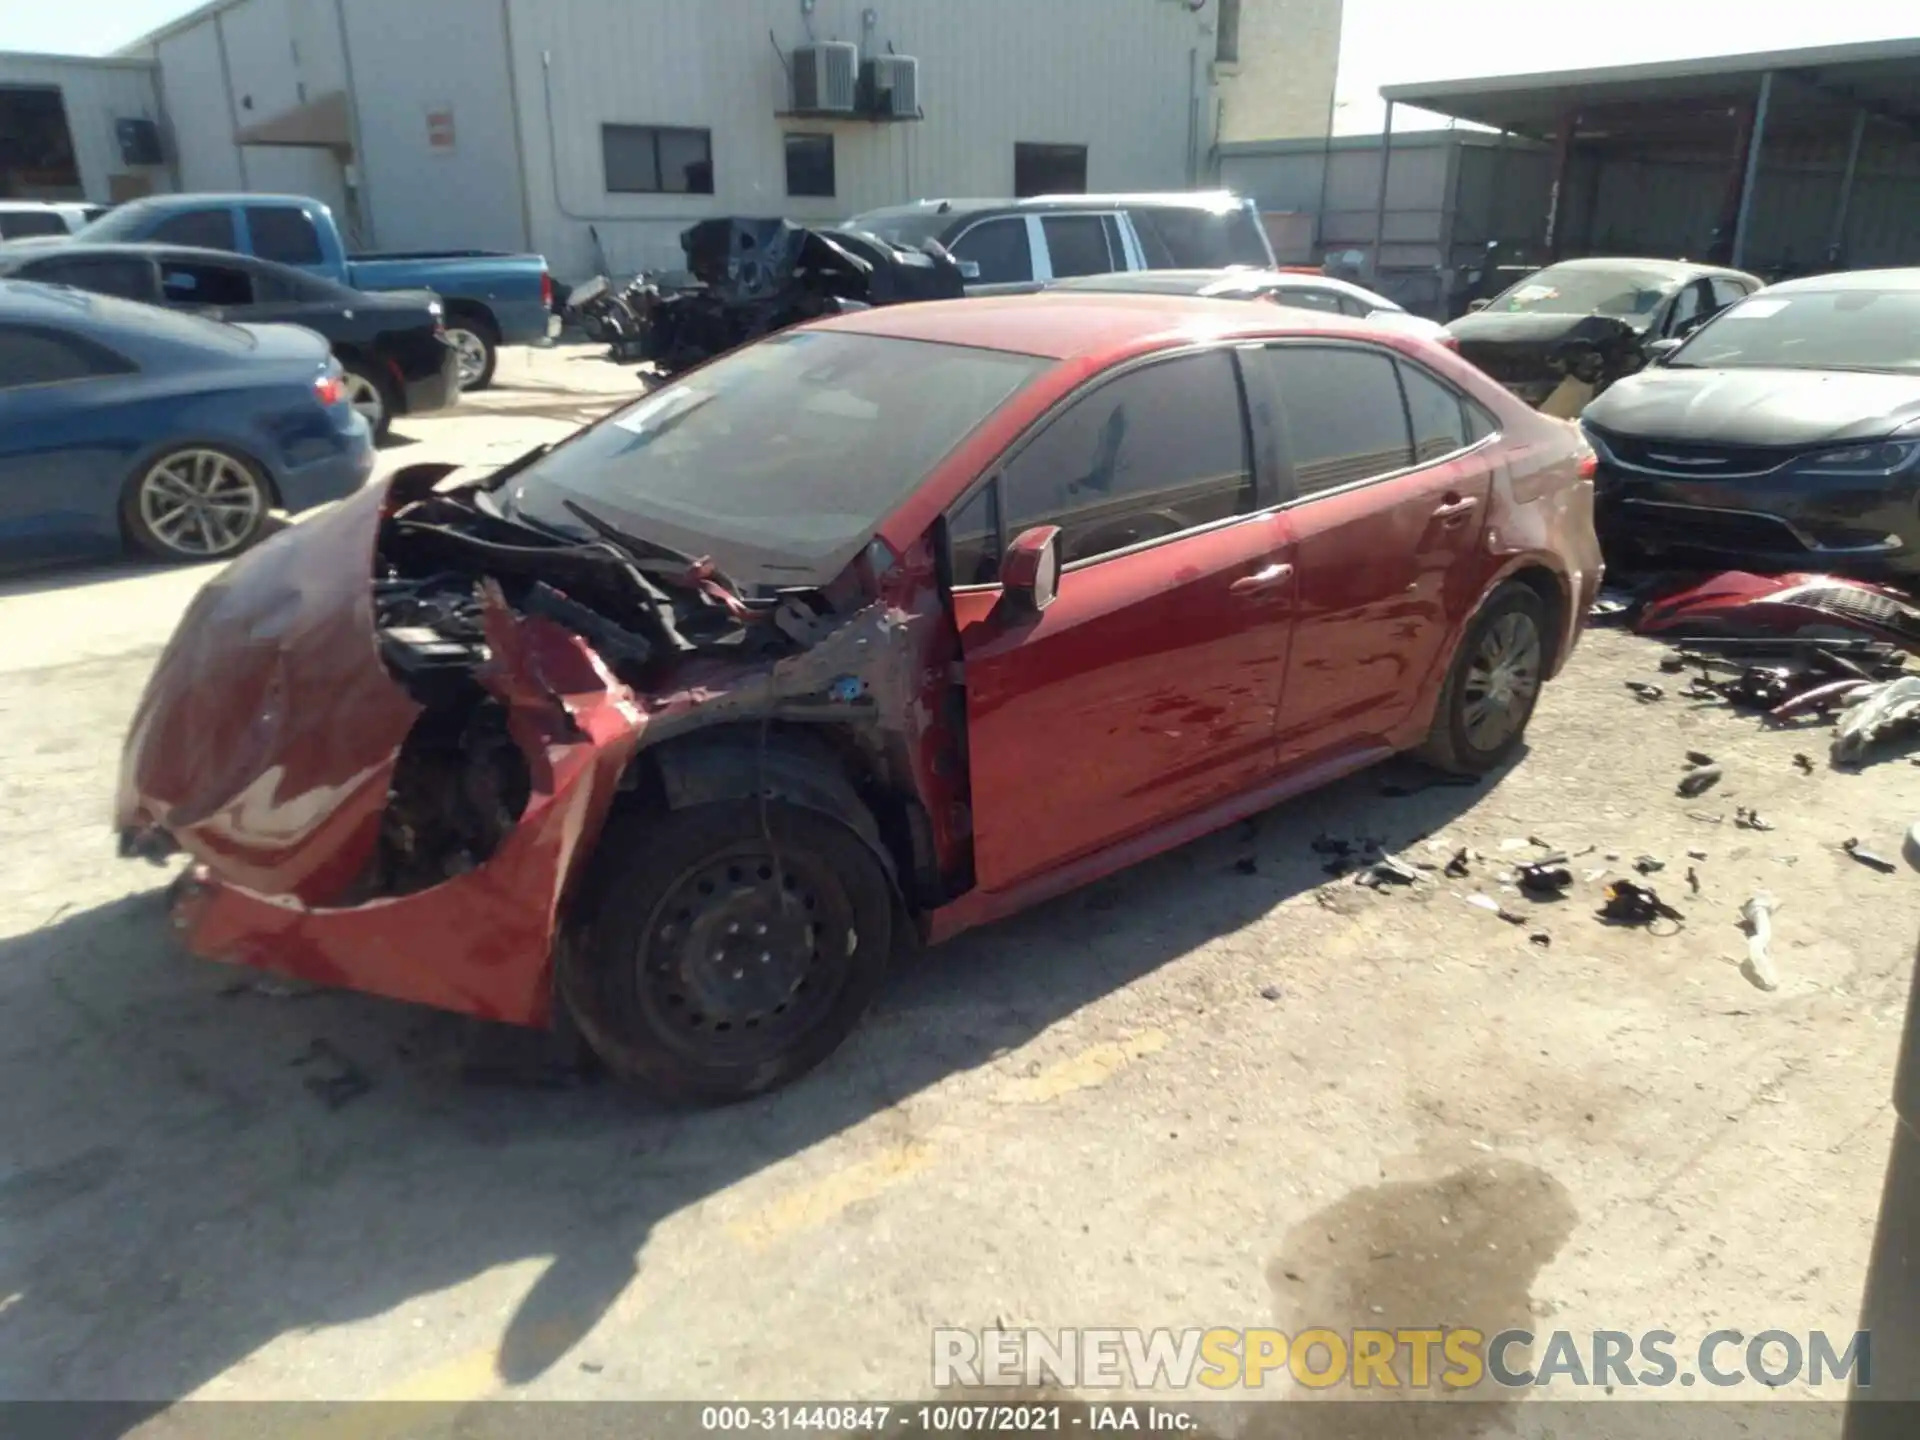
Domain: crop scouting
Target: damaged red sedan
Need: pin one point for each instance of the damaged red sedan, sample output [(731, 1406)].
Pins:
[(885, 626)]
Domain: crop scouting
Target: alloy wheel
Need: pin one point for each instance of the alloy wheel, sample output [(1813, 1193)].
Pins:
[(1502, 680), (473, 354), (201, 503), (365, 397)]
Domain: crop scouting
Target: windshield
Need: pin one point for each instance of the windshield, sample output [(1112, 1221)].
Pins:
[(1583, 290), (780, 460), (1814, 330)]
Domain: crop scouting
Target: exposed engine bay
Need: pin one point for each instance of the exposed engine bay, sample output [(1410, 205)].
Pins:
[(747, 278)]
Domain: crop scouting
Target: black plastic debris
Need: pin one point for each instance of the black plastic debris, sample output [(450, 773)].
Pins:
[(1699, 757), (1693, 880), (1645, 693), (1698, 782), (1637, 905), (1745, 818), (1540, 938), (1401, 789), (1543, 880), (1803, 762), (1649, 864), (1270, 992), (1458, 866), (1867, 857)]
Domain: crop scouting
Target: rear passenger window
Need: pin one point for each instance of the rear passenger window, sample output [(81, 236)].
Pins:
[(1077, 245), (193, 283), (1342, 412), (284, 234), (1157, 451), (1000, 249), (207, 229), (42, 357), (1438, 427)]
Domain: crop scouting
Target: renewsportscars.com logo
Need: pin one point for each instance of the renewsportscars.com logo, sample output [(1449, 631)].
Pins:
[(1438, 1358)]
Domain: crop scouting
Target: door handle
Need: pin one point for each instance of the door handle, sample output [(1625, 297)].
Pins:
[(1271, 578), (1458, 506)]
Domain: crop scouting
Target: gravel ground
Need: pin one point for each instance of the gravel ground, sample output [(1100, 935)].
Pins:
[(1218, 1090)]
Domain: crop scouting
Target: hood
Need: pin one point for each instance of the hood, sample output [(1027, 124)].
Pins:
[(1757, 407), (291, 343), (236, 749), (1486, 327)]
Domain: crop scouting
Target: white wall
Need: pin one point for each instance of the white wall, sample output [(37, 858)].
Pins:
[(1117, 76), (197, 110), (95, 93)]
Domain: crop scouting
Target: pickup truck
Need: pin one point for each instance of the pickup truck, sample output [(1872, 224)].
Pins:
[(492, 298)]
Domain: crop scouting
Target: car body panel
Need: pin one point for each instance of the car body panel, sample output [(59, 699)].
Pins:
[(1137, 710), (1759, 408), (68, 450), (511, 289)]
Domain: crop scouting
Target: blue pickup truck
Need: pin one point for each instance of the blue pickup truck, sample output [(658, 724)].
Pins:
[(491, 298)]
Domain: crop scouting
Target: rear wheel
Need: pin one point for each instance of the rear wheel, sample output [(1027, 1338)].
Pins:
[(1493, 685), (369, 393), (478, 345), (714, 965), (198, 502)]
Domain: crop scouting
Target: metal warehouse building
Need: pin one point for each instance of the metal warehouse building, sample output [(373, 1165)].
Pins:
[(583, 128)]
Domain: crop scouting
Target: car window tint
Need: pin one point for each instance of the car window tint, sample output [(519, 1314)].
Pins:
[(129, 279), (1154, 452), (1688, 307), (1351, 306), (1438, 427), (1077, 245), (197, 283), (1302, 297), (31, 356), (1342, 412), (1245, 241), (1000, 249), (207, 229), (17, 223), (1479, 423), (973, 538), (283, 233), (1725, 292)]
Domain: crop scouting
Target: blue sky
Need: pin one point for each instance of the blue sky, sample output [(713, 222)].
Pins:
[(1383, 41)]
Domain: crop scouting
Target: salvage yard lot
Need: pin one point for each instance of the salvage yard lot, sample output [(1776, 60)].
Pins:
[(1221, 1089)]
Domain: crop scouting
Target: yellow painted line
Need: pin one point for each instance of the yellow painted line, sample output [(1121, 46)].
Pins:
[(1093, 1066), (807, 1207)]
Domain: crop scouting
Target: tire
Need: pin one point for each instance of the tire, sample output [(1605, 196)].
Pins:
[(667, 994), (478, 342), (1469, 738), (371, 393), (194, 503)]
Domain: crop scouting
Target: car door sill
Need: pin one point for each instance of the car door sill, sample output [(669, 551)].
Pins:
[(980, 907)]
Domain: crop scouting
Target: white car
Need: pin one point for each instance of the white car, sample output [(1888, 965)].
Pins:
[(1277, 287), (25, 219)]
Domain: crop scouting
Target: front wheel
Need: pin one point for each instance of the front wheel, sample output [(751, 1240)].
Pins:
[(195, 503), (719, 951), (1492, 686), (478, 346), (369, 394)]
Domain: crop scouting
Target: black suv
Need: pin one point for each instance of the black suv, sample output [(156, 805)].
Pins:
[(1051, 237)]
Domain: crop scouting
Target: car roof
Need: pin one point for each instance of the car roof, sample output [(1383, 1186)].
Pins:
[(216, 197), (1211, 200), (1061, 325), (1197, 282), (1672, 269), (1903, 279)]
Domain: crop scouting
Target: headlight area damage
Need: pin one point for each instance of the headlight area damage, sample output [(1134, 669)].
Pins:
[(391, 738)]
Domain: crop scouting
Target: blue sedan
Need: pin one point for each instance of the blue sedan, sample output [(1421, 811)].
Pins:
[(126, 425)]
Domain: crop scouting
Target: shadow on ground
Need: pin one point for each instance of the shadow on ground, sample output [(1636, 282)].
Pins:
[(198, 1161)]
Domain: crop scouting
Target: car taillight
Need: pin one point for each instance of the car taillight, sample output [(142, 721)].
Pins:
[(328, 390), (546, 289), (1589, 465)]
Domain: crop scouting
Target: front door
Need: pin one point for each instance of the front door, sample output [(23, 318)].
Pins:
[(1148, 688), (1391, 487), (63, 453)]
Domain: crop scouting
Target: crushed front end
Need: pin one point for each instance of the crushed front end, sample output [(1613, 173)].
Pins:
[(389, 739)]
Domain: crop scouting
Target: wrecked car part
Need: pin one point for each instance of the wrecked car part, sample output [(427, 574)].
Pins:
[(1649, 865), (1745, 818), (1457, 866), (1887, 711), (1699, 757), (1637, 905), (1488, 903), (1644, 692), (1738, 604), (1387, 870), (1821, 698), (1698, 782), (1543, 880), (1867, 857), (1757, 916)]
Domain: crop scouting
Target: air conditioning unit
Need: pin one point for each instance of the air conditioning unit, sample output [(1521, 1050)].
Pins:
[(824, 77), (890, 87)]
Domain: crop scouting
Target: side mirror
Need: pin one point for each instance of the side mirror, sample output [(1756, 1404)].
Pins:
[(1658, 351), (1030, 574), (1473, 305)]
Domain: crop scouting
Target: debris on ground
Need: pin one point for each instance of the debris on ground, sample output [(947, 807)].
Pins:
[(1757, 916), (1803, 762), (1698, 782), (1696, 854), (1387, 870), (1512, 843), (1401, 789), (1458, 865), (1543, 879), (1645, 693), (1706, 819), (1649, 864), (340, 1082), (1487, 902), (1639, 905), (1247, 865), (1699, 757), (1270, 992), (1693, 880), (1887, 711), (1867, 857), (1540, 938), (1746, 818)]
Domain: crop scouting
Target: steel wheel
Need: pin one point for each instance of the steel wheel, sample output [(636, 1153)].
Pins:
[(1502, 681), (366, 397), (472, 350), (200, 504), (746, 952)]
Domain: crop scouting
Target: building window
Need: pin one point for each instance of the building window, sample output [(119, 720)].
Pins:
[(810, 165), (657, 160), (1049, 170)]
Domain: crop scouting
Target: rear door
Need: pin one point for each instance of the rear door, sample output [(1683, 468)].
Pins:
[(1388, 496), (1082, 243), (1148, 688), (286, 233), (219, 289)]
